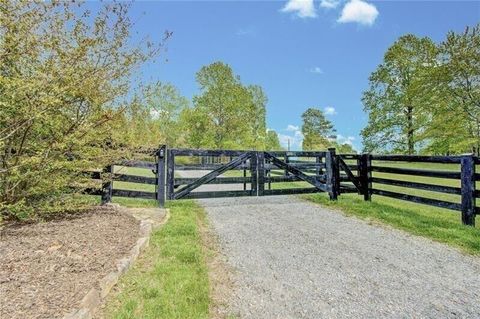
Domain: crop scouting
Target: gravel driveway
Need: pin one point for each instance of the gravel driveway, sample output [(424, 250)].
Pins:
[(295, 259)]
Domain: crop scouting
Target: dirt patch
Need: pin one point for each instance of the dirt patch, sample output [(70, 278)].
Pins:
[(47, 268), (219, 274)]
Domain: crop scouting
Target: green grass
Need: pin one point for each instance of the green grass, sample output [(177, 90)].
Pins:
[(170, 279), (438, 224), (435, 223)]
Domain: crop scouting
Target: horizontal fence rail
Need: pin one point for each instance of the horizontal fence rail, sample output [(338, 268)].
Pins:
[(430, 181)]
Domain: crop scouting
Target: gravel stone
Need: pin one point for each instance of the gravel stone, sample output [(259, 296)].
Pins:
[(295, 259)]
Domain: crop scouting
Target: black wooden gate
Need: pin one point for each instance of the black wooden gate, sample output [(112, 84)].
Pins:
[(252, 173)]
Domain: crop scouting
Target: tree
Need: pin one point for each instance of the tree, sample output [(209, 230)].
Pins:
[(272, 143), (316, 130), (196, 125), (453, 88), (397, 112), (64, 89), (257, 118), (165, 105), (344, 148), (226, 114)]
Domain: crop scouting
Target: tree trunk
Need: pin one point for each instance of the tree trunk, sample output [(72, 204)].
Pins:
[(410, 141)]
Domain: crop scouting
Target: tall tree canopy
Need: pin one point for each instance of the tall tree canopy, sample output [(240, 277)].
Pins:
[(424, 97), (227, 114), (317, 130), (396, 110), (453, 89), (165, 104)]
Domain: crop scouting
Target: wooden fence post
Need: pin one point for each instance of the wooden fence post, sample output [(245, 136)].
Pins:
[(318, 170), (332, 173), (365, 175), (261, 173), (107, 186), (170, 174), (244, 175), (468, 189), (285, 158), (253, 174), (161, 176)]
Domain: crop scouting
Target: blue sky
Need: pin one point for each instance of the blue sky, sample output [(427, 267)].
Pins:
[(303, 53)]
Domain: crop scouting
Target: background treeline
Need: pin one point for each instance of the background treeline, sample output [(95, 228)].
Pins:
[(425, 97), (225, 114)]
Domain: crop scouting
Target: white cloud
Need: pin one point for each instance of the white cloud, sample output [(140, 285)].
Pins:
[(245, 32), (329, 4), (358, 11), (292, 128), (303, 8), (329, 110), (316, 70)]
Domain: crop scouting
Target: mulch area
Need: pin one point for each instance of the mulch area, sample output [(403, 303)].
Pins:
[(46, 268)]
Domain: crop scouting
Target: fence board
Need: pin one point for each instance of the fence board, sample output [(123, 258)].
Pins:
[(417, 158), (216, 194), (289, 191), (216, 153), (218, 180), (135, 179), (137, 194), (416, 172), (418, 199), (139, 164), (422, 186)]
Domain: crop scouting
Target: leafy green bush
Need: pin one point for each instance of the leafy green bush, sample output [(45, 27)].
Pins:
[(65, 90)]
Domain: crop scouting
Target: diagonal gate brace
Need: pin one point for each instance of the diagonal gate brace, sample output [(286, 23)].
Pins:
[(295, 171), (350, 175), (212, 175)]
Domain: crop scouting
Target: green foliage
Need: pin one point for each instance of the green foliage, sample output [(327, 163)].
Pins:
[(453, 87), (316, 130), (257, 138), (344, 148), (272, 143), (396, 110), (165, 105), (424, 97), (64, 88), (226, 114), (170, 280)]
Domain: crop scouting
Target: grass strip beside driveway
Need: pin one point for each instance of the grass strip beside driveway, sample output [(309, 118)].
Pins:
[(434, 223), (170, 279)]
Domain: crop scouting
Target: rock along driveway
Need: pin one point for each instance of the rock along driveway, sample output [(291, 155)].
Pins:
[(295, 259)]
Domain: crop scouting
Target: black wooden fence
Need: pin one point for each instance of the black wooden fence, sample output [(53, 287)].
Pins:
[(324, 171)]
